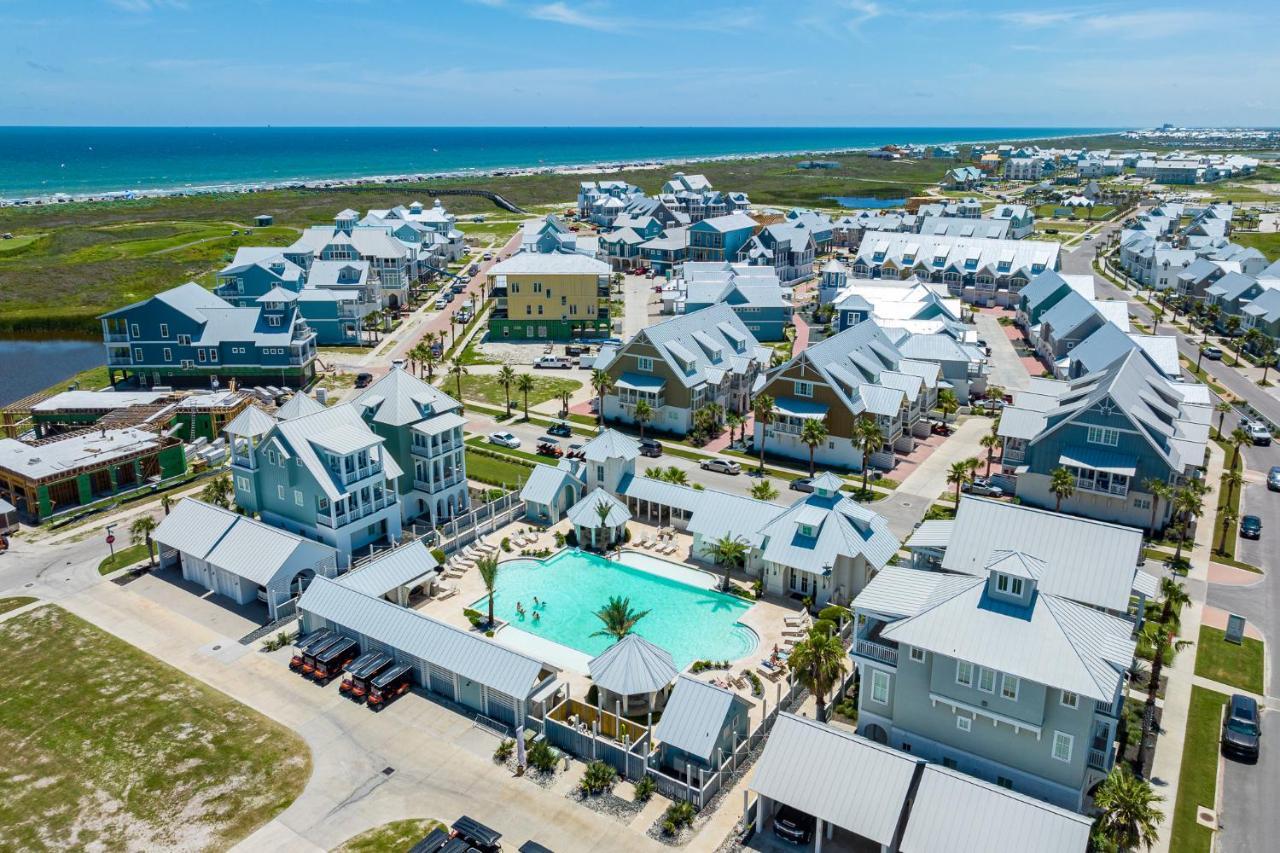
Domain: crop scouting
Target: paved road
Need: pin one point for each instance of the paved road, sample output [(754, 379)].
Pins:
[(1007, 369)]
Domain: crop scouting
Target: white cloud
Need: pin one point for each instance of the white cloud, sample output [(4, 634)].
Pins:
[(141, 6), (563, 13)]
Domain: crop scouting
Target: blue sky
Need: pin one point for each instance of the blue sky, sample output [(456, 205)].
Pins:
[(607, 62)]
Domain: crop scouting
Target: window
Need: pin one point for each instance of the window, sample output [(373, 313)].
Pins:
[(537, 287), (1017, 587), (964, 724), (949, 763), (1104, 435), (213, 355), (1070, 700), (964, 673), (987, 680), (1062, 745), (804, 389), (297, 497), (1002, 583), (644, 363), (917, 655), (164, 330), (168, 354), (134, 331), (242, 483), (880, 687), (200, 356), (1009, 687), (137, 353), (280, 492), (274, 319), (1004, 782), (184, 340)]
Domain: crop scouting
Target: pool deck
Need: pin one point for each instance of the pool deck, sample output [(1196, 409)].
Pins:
[(765, 616)]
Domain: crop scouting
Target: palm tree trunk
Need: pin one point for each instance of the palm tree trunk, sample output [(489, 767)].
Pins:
[(811, 449), (1057, 504), (1182, 534), (491, 608), (762, 451), (151, 554), (1155, 505), (866, 471), (1222, 537), (526, 405)]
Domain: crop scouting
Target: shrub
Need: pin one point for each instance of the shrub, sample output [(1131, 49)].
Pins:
[(559, 539), (439, 554), (834, 613), (824, 627), (504, 750), (599, 778), (542, 756), (757, 586), (475, 617), (757, 688), (571, 539), (626, 534), (645, 788), (506, 544), (677, 816)]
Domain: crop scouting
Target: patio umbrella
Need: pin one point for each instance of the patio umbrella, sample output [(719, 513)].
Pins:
[(520, 756)]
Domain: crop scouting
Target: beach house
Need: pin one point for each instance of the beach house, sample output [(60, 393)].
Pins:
[(549, 296)]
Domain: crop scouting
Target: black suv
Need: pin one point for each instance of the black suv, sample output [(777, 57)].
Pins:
[(650, 447), (793, 825), (1242, 729)]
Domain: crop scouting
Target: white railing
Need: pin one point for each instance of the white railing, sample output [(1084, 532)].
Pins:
[(877, 651)]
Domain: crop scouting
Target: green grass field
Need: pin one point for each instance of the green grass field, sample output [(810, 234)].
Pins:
[(125, 556), (1240, 666), (1268, 243), (1198, 781), (496, 472), (14, 602), (105, 747), (394, 837), (485, 389)]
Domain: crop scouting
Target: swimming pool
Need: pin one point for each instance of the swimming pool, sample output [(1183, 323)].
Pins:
[(690, 623)]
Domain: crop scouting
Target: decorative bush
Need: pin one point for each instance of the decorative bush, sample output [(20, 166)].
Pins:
[(626, 534), (834, 613), (475, 617), (677, 816), (504, 750), (757, 688), (559, 539), (506, 544), (571, 539), (599, 778), (439, 554), (542, 756), (645, 788)]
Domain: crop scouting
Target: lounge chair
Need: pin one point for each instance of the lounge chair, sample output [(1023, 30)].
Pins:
[(447, 592), (794, 621), (766, 671)]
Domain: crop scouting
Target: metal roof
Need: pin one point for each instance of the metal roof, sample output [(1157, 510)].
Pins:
[(469, 655), (835, 775), (297, 406), (1088, 561), (694, 715), (74, 451), (252, 421), (953, 811), (633, 666), (302, 434), (585, 514), (401, 398), (935, 533), (639, 382), (236, 543), (610, 444), (685, 498), (1082, 456), (545, 483), (899, 591), (440, 424), (391, 569), (841, 527)]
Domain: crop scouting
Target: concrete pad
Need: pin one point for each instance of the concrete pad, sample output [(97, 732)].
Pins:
[(1231, 576), (1215, 618)]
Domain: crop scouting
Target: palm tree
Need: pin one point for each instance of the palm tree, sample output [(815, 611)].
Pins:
[(947, 404), (525, 384), (1063, 485), (728, 551), (1129, 815), (1160, 637), (990, 441), (958, 475), (602, 382), (812, 435), (734, 421), (1159, 490), (458, 370), (618, 618), (602, 511), (431, 360), (1223, 408), (643, 413), (1174, 598), (764, 491), (140, 531), (1231, 480), (819, 661), (1238, 439), (867, 438), (488, 568), (372, 323), (762, 407), (507, 378), (1229, 517), (218, 491), (564, 403), (672, 474), (1188, 501)]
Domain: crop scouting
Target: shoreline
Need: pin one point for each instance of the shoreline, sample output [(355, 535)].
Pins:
[(595, 167)]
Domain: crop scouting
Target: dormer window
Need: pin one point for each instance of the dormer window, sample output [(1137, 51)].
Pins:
[(1013, 586), (806, 530), (804, 389)]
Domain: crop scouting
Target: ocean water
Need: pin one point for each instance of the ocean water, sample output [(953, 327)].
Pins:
[(38, 161), (28, 366)]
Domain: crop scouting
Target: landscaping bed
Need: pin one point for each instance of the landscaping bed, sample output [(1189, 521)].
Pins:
[(1198, 781)]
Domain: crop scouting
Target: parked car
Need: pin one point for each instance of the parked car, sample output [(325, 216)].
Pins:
[(488, 256), (504, 439), (560, 428), (1211, 352), (364, 380), (802, 484), (791, 824), (1273, 478), (552, 362), (548, 446), (1242, 728), (1260, 433), (724, 466), (442, 301), (650, 447), (1251, 527), (983, 486)]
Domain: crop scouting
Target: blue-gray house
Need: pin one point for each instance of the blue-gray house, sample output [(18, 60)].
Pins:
[(700, 726)]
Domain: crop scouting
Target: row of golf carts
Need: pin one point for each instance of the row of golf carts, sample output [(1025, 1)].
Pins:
[(373, 677)]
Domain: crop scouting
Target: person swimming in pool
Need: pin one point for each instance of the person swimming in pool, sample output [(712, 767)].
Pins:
[(535, 617), (520, 608)]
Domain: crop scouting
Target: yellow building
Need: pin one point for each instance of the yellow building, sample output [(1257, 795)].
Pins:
[(548, 296)]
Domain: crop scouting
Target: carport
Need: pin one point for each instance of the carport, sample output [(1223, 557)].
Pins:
[(395, 575)]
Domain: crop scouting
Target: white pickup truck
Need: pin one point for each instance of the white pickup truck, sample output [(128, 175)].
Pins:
[(553, 362)]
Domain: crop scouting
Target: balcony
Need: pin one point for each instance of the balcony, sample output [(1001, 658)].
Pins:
[(877, 650), (114, 359), (358, 473), (382, 499), (1098, 759), (438, 484), (116, 337), (1108, 709)]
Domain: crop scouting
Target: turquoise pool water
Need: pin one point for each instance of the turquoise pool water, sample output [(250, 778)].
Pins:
[(690, 623)]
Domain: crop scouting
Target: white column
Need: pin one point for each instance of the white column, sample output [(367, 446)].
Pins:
[(817, 836)]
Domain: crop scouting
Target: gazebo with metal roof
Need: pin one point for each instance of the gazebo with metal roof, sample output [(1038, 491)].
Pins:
[(588, 525), (635, 673)]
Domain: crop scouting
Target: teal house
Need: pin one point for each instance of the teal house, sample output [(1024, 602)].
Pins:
[(189, 337), (720, 238)]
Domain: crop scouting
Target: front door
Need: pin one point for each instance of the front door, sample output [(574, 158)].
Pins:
[(800, 582)]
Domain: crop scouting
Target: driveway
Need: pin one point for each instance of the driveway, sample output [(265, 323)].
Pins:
[(1007, 369)]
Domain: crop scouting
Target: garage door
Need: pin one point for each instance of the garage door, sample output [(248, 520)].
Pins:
[(441, 681)]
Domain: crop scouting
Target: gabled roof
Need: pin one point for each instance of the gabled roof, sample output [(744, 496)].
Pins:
[(391, 569), (610, 444), (400, 398), (694, 715), (297, 406), (675, 340), (545, 483), (841, 527), (470, 655), (837, 776), (633, 666), (585, 513), (303, 433)]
